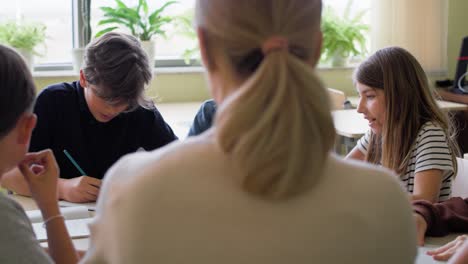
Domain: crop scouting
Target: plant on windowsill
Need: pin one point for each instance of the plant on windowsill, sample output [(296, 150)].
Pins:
[(184, 27), (24, 37), (82, 25), (343, 36), (142, 23)]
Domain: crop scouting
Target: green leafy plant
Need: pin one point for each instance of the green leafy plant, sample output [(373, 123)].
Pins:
[(22, 35), (343, 35), (184, 27), (141, 23)]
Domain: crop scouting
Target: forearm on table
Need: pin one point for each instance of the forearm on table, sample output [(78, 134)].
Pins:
[(61, 188), (14, 181), (60, 246), (443, 218)]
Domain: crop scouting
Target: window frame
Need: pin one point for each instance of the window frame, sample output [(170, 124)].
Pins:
[(77, 25)]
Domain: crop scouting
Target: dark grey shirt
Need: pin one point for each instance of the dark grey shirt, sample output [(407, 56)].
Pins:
[(18, 243)]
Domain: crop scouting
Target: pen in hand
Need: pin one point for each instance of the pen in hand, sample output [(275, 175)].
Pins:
[(74, 162)]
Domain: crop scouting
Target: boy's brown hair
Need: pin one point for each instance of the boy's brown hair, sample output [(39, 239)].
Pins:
[(118, 65)]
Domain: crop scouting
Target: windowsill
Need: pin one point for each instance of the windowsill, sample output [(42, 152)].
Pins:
[(159, 70)]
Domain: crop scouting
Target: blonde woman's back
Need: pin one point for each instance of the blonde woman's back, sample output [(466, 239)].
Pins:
[(182, 205)]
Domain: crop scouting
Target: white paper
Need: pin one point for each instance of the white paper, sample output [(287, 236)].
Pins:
[(77, 228), (90, 206), (69, 213)]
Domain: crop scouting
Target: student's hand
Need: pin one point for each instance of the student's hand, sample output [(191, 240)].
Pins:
[(80, 189), (41, 171), (446, 251), (421, 227)]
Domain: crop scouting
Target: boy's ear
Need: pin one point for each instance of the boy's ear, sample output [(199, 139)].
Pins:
[(83, 82), (205, 53), (25, 126)]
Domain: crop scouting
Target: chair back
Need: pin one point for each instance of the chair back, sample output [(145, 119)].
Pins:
[(337, 98), (460, 184)]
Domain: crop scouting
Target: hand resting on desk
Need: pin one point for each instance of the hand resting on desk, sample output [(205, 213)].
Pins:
[(446, 251), (80, 189)]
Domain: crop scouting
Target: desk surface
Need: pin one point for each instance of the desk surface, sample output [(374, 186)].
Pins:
[(446, 105), (349, 123), (431, 242)]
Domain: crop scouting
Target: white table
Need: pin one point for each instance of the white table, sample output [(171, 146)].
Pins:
[(446, 105), (431, 243), (351, 125)]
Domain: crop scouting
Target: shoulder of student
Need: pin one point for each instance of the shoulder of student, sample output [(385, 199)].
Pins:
[(375, 180), (431, 128), (160, 162), (19, 244), (57, 91)]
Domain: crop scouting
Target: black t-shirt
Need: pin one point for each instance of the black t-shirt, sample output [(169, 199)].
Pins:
[(65, 123)]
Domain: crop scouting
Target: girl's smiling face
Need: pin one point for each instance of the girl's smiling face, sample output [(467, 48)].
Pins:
[(372, 106)]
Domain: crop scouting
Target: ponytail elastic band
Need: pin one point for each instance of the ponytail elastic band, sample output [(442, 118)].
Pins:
[(274, 43), (52, 218)]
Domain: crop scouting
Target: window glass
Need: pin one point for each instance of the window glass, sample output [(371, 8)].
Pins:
[(176, 42), (55, 15)]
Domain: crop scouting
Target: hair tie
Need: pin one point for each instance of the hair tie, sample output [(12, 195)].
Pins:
[(274, 43)]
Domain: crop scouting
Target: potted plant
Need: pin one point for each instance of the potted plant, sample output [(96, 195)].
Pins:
[(82, 25), (142, 23), (343, 36), (184, 27), (24, 37)]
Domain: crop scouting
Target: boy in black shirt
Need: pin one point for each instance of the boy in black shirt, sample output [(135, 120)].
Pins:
[(89, 124)]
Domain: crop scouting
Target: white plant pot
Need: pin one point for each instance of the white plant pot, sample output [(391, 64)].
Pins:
[(338, 60), (77, 58), (28, 57), (149, 47)]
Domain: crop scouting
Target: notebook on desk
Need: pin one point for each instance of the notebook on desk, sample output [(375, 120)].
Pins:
[(77, 220), (90, 206)]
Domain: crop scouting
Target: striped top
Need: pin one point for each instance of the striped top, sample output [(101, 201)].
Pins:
[(431, 151)]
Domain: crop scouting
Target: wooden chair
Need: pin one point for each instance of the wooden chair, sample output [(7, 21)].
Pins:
[(460, 184), (337, 98), (337, 101)]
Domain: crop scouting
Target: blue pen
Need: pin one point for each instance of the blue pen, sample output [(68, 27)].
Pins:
[(74, 162)]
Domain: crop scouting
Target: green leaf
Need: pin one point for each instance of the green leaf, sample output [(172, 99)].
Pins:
[(22, 35), (142, 4), (104, 31), (121, 4), (342, 34), (140, 24), (153, 16)]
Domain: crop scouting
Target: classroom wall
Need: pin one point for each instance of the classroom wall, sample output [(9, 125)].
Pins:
[(190, 86), (457, 30)]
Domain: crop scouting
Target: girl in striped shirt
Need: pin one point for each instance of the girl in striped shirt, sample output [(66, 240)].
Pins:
[(408, 133)]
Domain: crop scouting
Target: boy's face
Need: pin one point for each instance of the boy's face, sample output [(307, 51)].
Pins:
[(104, 111), (101, 109)]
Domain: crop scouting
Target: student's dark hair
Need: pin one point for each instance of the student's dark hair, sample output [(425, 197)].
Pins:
[(17, 89), (118, 65)]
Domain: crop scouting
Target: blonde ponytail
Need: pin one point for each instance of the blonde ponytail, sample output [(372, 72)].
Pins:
[(278, 127)]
